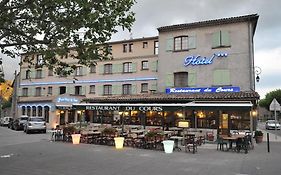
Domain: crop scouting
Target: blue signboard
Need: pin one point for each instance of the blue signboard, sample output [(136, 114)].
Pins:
[(203, 90)]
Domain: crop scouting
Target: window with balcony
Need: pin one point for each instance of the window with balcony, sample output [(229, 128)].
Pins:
[(181, 79), (107, 90), (127, 67), (126, 89), (108, 69)]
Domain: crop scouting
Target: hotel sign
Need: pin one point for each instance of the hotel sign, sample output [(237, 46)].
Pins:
[(199, 60), (203, 90)]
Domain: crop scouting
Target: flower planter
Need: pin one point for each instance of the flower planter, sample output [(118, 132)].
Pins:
[(259, 139), (75, 138), (119, 142), (168, 146)]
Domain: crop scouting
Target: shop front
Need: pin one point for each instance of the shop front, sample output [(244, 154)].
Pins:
[(166, 110)]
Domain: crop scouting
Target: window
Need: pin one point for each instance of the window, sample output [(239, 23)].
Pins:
[(39, 60), (93, 69), (92, 89), (144, 44), (127, 67), (50, 90), (108, 69), (181, 79), (127, 89), (62, 89), (40, 111), (38, 91), (144, 87), (131, 47), (107, 90), (144, 65), (156, 47), (78, 90), (110, 49), (24, 92), (221, 39), (181, 43), (79, 71), (38, 73), (125, 48), (50, 72), (27, 74)]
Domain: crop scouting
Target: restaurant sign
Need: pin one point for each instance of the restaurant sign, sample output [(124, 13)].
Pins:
[(203, 90), (124, 108)]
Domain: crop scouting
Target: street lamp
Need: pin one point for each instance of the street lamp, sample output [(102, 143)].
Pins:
[(253, 114), (257, 72)]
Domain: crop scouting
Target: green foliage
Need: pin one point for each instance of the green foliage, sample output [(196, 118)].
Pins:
[(258, 133), (69, 129), (54, 27), (109, 131), (269, 97)]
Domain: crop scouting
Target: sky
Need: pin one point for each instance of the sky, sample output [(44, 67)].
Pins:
[(151, 14)]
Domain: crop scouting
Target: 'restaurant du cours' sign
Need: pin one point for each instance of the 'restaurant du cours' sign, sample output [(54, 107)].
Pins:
[(124, 108)]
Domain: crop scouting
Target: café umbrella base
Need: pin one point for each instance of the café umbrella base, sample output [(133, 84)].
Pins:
[(168, 146)]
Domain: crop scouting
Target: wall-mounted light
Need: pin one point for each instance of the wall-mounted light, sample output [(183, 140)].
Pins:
[(257, 72)]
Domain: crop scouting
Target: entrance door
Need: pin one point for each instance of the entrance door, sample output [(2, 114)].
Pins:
[(223, 124), (62, 118)]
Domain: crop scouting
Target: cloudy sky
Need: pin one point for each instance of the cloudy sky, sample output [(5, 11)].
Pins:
[(151, 14)]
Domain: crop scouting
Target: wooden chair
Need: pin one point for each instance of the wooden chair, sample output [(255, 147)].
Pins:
[(221, 143), (190, 144)]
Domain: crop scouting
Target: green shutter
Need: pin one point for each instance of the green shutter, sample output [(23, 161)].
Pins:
[(153, 66), (117, 68), (225, 39), (114, 89), (216, 39), (221, 77), (101, 69), (134, 67), (169, 80), (134, 89), (83, 90), (32, 73), (43, 73), (99, 90), (192, 42), (32, 92), (169, 44), (153, 86), (192, 79)]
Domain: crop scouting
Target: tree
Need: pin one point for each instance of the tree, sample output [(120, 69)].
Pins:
[(269, 97), (52, 28)]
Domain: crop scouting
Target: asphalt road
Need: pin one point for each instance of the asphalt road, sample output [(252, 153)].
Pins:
[(34, 154)]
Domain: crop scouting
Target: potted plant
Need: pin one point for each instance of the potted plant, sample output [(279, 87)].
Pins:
[(70, 130), (258, 136)]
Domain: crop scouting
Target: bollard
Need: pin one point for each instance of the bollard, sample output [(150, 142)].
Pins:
[(268, 148)]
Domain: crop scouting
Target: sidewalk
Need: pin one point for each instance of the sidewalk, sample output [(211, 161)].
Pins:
[(272, 137)]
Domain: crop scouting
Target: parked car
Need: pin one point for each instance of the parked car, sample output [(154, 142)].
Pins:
[(5, 121), (271, 124), (19, 123), (35, 124)]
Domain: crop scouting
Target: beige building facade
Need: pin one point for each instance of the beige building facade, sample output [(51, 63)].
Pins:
[(209, 61)]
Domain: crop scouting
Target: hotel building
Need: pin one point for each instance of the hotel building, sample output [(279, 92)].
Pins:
[(202, 72)]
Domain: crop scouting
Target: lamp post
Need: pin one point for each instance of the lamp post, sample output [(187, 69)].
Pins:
[(253, 113)]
